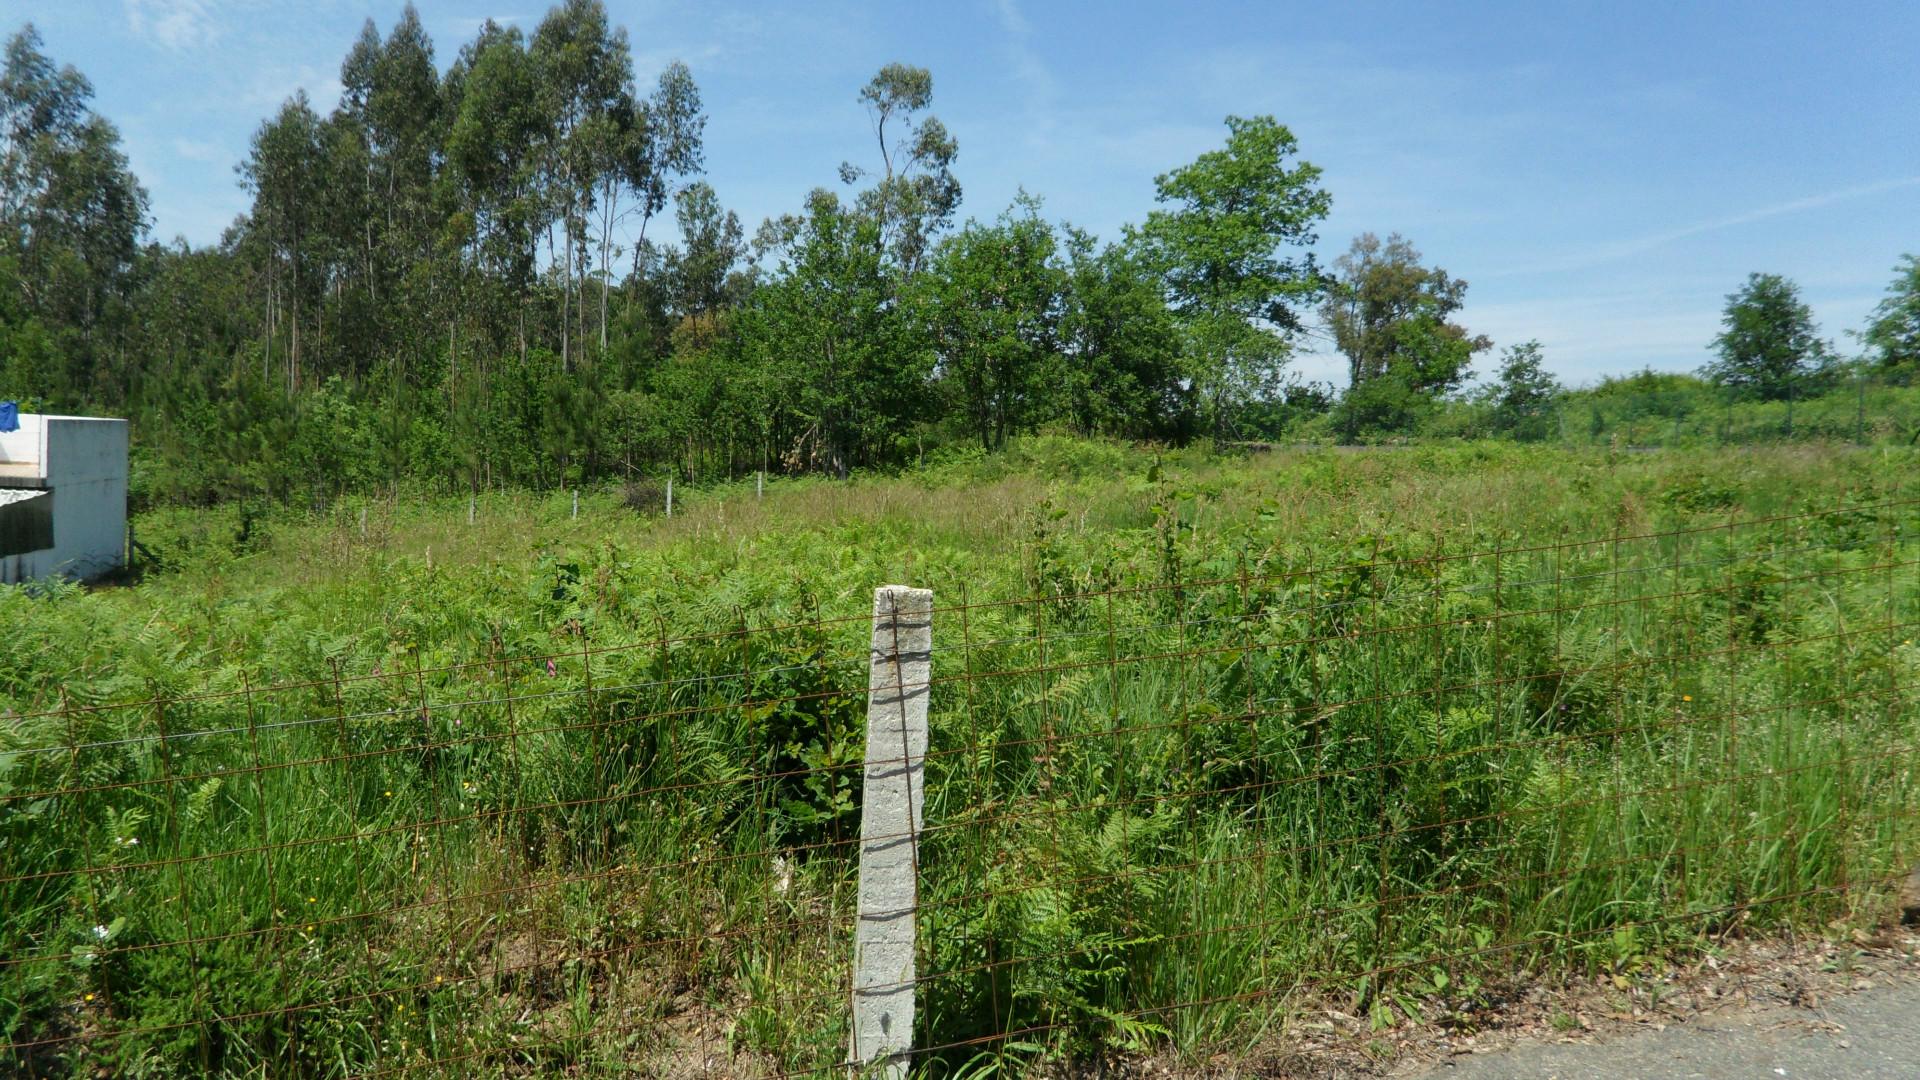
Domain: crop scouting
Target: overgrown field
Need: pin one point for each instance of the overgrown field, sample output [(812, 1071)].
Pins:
[(379, 789)]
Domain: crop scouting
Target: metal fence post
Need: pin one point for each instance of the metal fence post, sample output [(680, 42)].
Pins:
[(892, 796)]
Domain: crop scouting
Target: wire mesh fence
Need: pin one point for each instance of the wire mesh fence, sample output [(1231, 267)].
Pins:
[(1158, 817)]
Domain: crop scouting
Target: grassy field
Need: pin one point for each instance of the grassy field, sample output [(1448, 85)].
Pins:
[(1212, 736)]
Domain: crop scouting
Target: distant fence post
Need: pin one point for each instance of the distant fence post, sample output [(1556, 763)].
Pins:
[(669, 494), (892, 796)]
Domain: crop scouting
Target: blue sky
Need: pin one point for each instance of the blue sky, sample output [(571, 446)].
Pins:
[(1602, 174)]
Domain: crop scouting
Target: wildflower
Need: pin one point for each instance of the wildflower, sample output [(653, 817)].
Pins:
[(89, 997), (1686, 697), (439, 979), (551, 669), (101, 932), (309, 928), (389, 794), (312, 900)]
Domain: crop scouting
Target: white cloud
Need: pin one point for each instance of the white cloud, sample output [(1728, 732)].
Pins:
[(201, 150), (1626, 249), (467, 27), (1026, 65), (177, 25), (269, 88)]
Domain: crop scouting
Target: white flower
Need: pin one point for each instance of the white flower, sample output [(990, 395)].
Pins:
[(101, 932)]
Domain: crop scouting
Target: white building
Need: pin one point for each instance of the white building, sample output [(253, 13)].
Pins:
[(63, 497)]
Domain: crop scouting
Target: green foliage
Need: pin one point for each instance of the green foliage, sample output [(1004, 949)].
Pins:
[(1521, 401), (1219, 251), (633, 746), (1768, 344), (1893, 332), (991, 308), (1389, 316)]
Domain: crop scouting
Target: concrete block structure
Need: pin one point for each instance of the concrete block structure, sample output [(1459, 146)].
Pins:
[(63, 497)]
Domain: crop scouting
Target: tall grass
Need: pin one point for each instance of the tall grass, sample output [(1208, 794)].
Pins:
[(1209, 735)]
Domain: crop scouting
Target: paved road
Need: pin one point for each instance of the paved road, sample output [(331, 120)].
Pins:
[(1870, 1035)]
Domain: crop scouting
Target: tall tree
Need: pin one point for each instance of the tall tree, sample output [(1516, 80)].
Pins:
[(71, 213), (492, 164), (914, 194), (1893, 333), (283, 172), (1120, 347), (1768, 342), (1390, 314), (585, 90), (1522, 395), (990, 301), (705, 274), (1222, 247)]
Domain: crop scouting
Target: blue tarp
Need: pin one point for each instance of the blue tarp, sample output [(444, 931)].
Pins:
[(9, 416)]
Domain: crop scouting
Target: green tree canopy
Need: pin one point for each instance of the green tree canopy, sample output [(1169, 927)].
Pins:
[(1230, 249), (991, 305), (1768, 342), (1893, 334), (914, 194), (1390, 314), (1522, 395)]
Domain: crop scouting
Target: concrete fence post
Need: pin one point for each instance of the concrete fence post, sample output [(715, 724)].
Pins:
[(893, 793), (669, 496), (759, 484), (576, 504)]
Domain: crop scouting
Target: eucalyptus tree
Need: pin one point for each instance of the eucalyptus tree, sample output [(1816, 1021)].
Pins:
[(584, 87), (914, 193), (71, 212), (1222, 247), (492, 165), (390, 100), (283, 173), (665, 144), (705, 275)]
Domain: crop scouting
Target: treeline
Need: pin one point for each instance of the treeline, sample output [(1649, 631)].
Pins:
[(457, 277)]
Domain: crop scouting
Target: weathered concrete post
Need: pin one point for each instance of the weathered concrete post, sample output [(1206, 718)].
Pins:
[(892, 795), (669, 496)]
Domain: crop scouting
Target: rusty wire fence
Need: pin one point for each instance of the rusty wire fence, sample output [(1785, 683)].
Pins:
[(1159, 819)]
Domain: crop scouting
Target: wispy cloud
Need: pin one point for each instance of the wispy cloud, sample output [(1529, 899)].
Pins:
[(467, 27), (1640, 245), (177, 25), (1031, 70), (269, 87), (201, 150)]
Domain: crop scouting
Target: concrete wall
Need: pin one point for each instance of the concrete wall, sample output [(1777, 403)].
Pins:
[(82, 460)]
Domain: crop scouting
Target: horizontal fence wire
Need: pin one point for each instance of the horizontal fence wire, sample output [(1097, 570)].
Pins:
[(1159, 815)]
